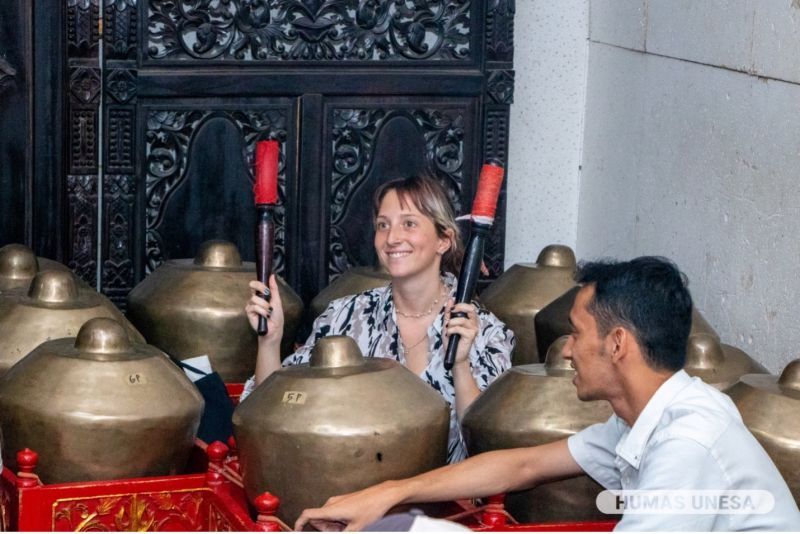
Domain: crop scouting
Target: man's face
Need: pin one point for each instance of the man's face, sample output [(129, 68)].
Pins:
[(588, 350)]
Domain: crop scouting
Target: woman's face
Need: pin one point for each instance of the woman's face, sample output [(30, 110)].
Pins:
[(406, 240)]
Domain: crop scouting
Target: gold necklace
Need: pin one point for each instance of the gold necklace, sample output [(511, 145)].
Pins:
[(418, 315), (407, 349)]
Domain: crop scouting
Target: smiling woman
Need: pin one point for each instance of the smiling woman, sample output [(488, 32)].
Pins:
[(417, 242)]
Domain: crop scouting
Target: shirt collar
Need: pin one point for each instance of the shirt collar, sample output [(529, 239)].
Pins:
[(631, 448)]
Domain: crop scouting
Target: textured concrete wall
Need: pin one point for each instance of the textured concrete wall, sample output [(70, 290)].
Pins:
[(692, 150), (546, 126)]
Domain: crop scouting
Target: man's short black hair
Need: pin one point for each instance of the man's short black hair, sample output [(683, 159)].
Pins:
[(649, 297)]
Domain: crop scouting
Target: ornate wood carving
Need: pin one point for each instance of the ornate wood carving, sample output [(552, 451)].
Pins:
[(83, 140), (82, 27), (82, 230), (500, 86), (121, 84), (84, 84), (168, 138), (121, 23), (352, 30), (140, 512), (355, 137), (119, 193), (500, 30), (355, 52)]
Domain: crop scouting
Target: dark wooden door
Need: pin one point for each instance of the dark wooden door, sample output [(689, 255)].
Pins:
[(161, 113)]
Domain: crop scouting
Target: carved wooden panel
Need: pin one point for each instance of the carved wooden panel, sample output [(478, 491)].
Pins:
[(198, 176), (500, 31), (82, 228), (330, 30), (371, 143), (143, 155)]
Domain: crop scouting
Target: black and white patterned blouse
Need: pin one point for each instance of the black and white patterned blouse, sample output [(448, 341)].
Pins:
[(369, 318)]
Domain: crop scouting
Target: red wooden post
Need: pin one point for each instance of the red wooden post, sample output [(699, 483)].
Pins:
[(27, 460), (216, 452), (493, 516), (267, 506), (233, 455)]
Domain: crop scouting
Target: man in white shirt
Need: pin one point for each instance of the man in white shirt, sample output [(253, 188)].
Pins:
[(672, 438)]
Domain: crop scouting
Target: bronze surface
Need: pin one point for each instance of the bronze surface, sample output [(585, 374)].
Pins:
[(336, 425), (18, 266), (523, 290), (716, 363), (55, 306), (350, 282), (195, 306), (769, 406), (99, 407), (532, 405)]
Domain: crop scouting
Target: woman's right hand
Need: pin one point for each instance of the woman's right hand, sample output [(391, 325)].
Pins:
[(273, 310)]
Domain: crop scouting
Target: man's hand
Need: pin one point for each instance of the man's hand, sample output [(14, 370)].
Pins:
[(489, 473), (353, 511)]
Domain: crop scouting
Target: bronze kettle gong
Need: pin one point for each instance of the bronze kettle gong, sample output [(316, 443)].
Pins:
[(18, 266), (55, 305), (99, 407), (352, 281), (769, 406), (193, 307), (716, 363), (519, 293), (532, 405), (337, 425)]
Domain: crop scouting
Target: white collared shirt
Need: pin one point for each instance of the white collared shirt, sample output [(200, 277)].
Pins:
[(688, 437)]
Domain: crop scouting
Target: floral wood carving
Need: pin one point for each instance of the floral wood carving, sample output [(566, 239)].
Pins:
[(269, 30), (355, 132), (140, 512), (168, 137)]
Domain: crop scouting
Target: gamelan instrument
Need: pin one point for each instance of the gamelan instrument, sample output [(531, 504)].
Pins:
[(192, 307), (352, 281), (769, 406), (99, 406), (55, 305), (337, 425), (532, 405), (517, 296)]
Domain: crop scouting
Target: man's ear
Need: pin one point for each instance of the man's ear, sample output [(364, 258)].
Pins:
[(619, 338)]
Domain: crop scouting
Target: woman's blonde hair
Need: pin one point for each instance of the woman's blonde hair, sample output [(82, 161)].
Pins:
[(430, 198)]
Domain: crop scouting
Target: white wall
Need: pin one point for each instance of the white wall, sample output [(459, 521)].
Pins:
[(550, 54), (692, 151)]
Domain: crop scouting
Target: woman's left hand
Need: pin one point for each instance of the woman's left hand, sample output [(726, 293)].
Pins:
[(466, 327)]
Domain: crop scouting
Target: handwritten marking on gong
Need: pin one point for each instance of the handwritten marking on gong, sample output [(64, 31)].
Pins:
[(294, 397), (136, 379)]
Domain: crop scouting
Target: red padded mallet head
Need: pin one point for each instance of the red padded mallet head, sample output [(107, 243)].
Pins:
[(266, 186), (485, 204)]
